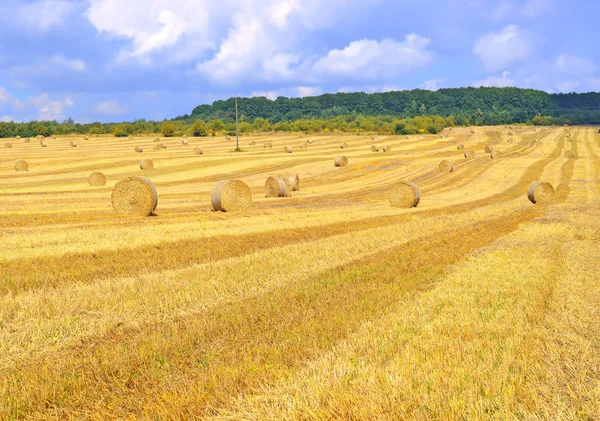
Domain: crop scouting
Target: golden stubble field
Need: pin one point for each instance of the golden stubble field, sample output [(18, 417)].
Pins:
[(330, 304)]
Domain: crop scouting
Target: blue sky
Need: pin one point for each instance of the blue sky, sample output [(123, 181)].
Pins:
[(116, 60)]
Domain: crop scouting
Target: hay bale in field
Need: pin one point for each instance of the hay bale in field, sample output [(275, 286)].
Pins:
[(472, 131), (374, 148), (21, 165), (495, 154), (343, 145), (267, 145), (509, 140), (446, 166), (469, 154), (511, 134), (18, 137), (97, 179), (460, 146), (40, 137), (252, 143), (146, 164), (184, 142), (134, 196), (197, 151), (73, 144), (54, 137), (8, 145), (227, 137), (303, 146), (43, 144), (138, 149), (309, 141), (86, 138), (569, 154), (156, 140), (488, 148), (287, 149), (404, 195), (541, 192), (163, 145), (185, 136), (340, 161), (294, 180), (157, 147), (276, 186), (231, 196), (387, 148), (27, 140)]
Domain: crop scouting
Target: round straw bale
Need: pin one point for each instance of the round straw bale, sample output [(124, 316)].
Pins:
[(156, 140), (231, 196), (18, 137), (43, 144), (227, 137), (134, 196), (495, 154), (252, 143), (469, 154), (374, 148), (404, 194), (8, 145), (287, 149), (569, 154), (387, 148), (303, 146), (163, 145), (509, 140), (275, 186), (488, 148), (541, 192), (460, 146), (341, 161), (294, 180), (27, 140), (343, 145), (97, 179), (21, 165), (267, 145), (185, 136), (40, 137), (86, 138), (197, 151), (139, 149), (446, 166), (73, 144), (309, 141), (472, 131), (146, 164), (184, 142), (510, 133), (157, 147)]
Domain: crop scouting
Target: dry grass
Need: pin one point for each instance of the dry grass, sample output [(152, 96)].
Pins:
[(331, 304)]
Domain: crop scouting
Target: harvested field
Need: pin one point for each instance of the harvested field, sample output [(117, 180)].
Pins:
[(330, 304)]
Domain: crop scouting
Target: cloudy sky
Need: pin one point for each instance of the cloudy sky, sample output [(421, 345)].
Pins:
[(115, 60)]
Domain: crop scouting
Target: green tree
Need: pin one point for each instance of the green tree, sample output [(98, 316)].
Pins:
[(167, 128), (199, 128)]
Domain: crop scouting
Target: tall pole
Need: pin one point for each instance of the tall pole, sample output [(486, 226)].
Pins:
[(237, 137)]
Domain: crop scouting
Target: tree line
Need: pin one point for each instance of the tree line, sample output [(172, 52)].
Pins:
[(403, 112)]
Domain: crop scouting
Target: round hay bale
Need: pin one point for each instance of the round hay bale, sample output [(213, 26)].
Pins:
[(185, 136), (511, 134), (276, 186), (43, 144), (569, 154), (157, 147), (472, 131), (97, 179), (146, 164), (460, 146), (287, 149), (341, 161), (343, 145), (40, 137), (21, 165), (294, 180), (156, 140), (18, 137), (54, 137), (469, 154), (267, 145), (134, 196), (387, 148), (509, 140), (27, 140), (86, 138), (309, 141), (184, 142), (374, 148), (495, 154), (8, 145), (488, 148), (446, 166), (227, 137), (73, 144), (163, 145), (252, 143), (303, 146), (197, 151), (541, 192), (231, 196), (138, 149), (404, 194)]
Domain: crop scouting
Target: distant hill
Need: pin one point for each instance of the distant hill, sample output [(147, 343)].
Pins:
[(479, 105)]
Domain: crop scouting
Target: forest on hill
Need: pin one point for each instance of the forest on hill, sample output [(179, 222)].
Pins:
[(398, 112)]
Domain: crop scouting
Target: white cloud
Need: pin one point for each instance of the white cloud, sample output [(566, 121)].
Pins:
[(303, 91), (42, 16), (49, 109), (371, 59), (272, 95), (496, 81), (497, 50), (3, 95), (575, 65), (111, 107), (431, 85), (8, 119), (525, 8), (567, 87), (64, 63), (370, 89)]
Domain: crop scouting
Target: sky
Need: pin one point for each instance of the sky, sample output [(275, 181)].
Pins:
[(121, 60)]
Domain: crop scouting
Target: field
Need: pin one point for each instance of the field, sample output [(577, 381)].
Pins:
[(331, 304)]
